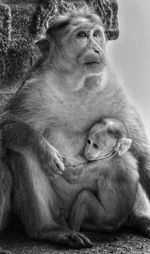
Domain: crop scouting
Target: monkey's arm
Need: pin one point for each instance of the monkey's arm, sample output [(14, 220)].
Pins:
[(140, 145), (20, 137)]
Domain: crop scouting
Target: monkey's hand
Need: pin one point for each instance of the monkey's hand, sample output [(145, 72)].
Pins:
[(30, 140), (51, 161)]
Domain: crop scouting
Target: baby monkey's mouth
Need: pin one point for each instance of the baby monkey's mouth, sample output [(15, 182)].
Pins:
[(108, 155)]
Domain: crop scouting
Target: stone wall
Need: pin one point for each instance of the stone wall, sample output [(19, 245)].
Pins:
[(23, 21)]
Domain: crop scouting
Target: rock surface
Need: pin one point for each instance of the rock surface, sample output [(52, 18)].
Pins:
[(23, 21), (122, 242)]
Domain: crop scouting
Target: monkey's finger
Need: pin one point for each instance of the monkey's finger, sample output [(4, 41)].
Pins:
[(55, 151), (79, 240), (60, 157), (76, 240), (55, 168), (86, 240), (60, 165)]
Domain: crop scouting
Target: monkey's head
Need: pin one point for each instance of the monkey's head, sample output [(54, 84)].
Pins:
[(75, 43), (105, 139)]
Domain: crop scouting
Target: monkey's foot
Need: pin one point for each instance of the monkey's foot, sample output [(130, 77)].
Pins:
[(75, 240), (68, 237)]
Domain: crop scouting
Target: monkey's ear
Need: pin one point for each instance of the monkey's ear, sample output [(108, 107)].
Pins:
[(43, 46), (123, 145)]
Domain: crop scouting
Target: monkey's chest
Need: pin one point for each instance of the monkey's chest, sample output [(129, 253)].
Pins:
[(70, 144), (71, 117), (69, 125)]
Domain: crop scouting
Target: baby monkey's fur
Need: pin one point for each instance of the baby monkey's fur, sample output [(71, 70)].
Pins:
[(115, 182)]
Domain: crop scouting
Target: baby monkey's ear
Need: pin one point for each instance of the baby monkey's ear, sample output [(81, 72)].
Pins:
[(123, 145), (43, 46)]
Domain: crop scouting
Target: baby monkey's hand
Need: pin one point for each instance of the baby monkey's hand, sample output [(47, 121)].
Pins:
[(72, 174)]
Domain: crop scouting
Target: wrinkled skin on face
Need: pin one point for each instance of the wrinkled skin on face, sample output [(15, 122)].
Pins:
[(83, 47), (79, 48)]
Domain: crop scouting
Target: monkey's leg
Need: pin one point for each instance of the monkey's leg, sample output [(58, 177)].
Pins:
[(140, 218), (5, 199), (87, 208), (35, 203), (5, 195)]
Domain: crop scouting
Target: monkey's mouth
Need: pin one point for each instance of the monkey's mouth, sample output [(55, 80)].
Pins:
[(91, 59), (93, 62)]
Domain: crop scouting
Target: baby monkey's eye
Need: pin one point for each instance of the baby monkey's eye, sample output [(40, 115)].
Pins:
[(81, 34), (89, 141), (95, 146)]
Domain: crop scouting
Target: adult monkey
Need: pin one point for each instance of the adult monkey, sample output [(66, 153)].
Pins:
[(63, 96)]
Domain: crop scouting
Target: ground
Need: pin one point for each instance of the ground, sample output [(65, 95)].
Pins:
[(122, 242)]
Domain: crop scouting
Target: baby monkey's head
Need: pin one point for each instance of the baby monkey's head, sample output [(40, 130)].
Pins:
[(105, 139)]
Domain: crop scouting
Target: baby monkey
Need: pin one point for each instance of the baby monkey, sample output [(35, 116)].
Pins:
[(106, 139), (117, 179)]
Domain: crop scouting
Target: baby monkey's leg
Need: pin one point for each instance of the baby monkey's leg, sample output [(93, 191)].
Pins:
[(86, 209)]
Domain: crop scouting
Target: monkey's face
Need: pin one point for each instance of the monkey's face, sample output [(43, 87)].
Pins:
[(80, 47), (99, 145)]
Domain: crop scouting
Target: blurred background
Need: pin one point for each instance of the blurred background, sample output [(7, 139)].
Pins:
[(130, 54)]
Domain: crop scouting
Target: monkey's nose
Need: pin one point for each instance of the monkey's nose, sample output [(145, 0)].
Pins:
[(96, 51)]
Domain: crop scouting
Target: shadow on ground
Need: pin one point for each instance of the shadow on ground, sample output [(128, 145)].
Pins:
[(117, 243)]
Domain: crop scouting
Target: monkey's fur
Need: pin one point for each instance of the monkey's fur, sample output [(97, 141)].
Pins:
[(63, 96), (5, 195), (5, 190)]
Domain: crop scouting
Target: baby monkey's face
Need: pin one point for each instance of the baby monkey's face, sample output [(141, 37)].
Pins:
[(99, 145)]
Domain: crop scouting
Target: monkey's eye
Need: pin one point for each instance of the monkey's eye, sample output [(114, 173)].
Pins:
[(97, 33), (81, 35), (95, 146), (89, 141)]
